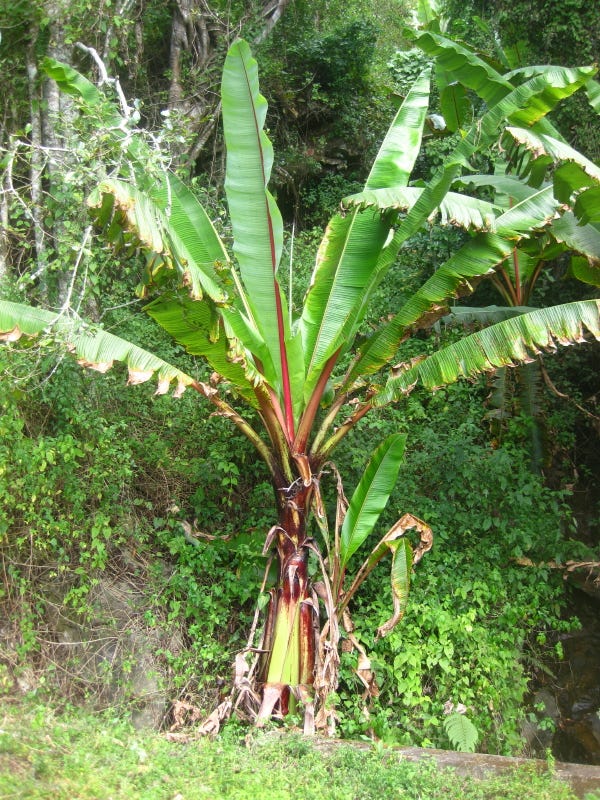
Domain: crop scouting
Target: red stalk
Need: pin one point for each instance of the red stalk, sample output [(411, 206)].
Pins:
[(307, 419)]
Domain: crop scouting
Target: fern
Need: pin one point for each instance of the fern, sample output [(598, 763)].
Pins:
[(462, 733)]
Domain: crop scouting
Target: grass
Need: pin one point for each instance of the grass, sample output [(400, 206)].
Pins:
[(75, 755)]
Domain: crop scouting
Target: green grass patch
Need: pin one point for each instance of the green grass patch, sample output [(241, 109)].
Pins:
[(75, 755)]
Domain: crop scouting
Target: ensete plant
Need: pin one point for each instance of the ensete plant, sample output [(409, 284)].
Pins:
[(305, 377)]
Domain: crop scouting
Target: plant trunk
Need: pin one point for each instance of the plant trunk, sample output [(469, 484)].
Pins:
[(287, 673)]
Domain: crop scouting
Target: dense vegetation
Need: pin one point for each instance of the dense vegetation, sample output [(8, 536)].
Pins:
[(95, 479)]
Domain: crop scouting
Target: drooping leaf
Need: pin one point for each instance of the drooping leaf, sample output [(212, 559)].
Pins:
[(193, 238), (581, 269), (371, 495), (540, 145), (570, 179), (404, 557), (465, 66), (174, 234), (584, 239), (122, 209), (514, 341), (460, 210), (587, 206), (93, 347), (402, 560), (197, 327)]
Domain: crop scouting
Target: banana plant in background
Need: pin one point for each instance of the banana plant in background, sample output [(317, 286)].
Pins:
[(300, 374), (532, 169)]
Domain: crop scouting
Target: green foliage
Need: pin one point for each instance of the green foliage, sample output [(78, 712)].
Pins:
[(371, 495), (66, 753), (405, 66), (285, 370), (461, 732), (338, 61), (556, 33), (89, 480), (323, 71), (469, 633)]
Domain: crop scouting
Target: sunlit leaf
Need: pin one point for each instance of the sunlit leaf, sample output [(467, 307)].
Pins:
[(371, 495)]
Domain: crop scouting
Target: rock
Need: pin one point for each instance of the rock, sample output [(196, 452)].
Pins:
[(538, 730), (114, 655)]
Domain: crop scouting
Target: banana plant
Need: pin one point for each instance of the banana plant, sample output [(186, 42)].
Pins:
[(533, 170), (303, 379)]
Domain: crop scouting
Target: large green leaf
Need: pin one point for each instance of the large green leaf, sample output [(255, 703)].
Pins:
[(575, 230), (507, 343), (255, 219), (371, 495), (455, 62), (197, 327), (348, 265), (399, 150), (94, 348)]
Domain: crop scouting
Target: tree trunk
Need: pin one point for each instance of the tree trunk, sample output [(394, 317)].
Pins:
[(36, 165), (287, 673), (196, 33)]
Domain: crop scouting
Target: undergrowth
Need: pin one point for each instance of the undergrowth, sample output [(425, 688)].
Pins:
[(74, 756)]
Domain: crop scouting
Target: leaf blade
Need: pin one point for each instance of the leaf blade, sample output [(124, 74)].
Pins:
[(371, 495), (506, 343)]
